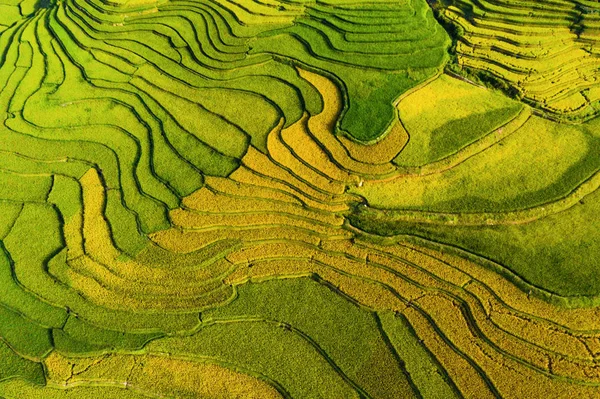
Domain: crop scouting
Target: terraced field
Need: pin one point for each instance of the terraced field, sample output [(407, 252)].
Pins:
[(543, 51), (288, 199)]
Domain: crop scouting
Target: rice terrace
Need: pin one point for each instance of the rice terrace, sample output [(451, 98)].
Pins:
[(299, 199)]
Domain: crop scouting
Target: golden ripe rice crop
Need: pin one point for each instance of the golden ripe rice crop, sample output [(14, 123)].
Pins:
[(285, 199)]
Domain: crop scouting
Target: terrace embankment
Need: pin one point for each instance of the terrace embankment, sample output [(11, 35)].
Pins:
[(543, 53)]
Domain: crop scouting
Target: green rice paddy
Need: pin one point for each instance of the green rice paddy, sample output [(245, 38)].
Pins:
[(298, 199)]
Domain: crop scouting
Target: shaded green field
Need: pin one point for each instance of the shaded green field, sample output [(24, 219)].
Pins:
[(552, 253), (539, 164)]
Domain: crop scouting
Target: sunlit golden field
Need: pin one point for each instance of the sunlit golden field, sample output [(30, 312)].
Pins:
[(286, 199)]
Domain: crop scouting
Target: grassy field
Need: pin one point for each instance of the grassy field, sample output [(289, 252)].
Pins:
[(268, 199), (469, 114)]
